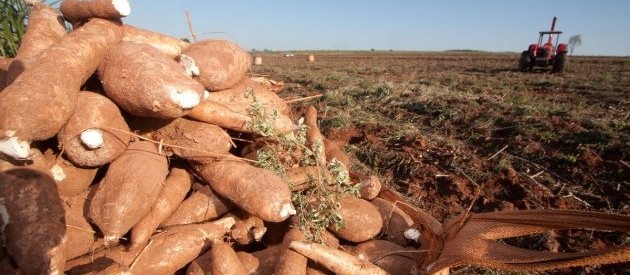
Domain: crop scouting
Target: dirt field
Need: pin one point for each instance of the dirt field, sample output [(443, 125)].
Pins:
[(443, 127)]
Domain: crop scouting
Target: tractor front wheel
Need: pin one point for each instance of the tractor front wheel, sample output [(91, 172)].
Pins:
[(524, 63), (560, 63)]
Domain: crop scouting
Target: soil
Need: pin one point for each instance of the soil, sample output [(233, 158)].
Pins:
[(453, 130)]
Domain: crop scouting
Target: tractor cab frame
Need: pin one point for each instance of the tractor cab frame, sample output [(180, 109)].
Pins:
[(545, 54)]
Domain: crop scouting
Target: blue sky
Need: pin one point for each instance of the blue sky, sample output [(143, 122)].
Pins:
[(489, 25)]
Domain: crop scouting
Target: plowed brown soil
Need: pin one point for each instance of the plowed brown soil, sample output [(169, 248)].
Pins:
[(455, 130)]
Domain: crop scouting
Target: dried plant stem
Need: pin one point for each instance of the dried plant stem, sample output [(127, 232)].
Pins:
[(190, 28), (79, 228), (162, 144), (498, 152), (243, 140), (558, 177), (303, 98)]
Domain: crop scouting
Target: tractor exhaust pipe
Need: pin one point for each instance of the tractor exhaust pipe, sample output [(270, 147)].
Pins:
[(553, 28)]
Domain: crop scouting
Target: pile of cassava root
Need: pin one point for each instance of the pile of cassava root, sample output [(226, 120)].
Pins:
[(128, 151)]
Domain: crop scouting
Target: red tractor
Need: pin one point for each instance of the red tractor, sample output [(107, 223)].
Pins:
[(544, 55)]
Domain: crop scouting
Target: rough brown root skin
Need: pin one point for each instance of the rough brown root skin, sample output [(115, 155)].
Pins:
[(175, 188), (370, 186), (335, 260), (202, 205), (200, 266), (258, 191), (300, 176), (221, 63), (393, 258), (145, 82), (80, 234), (224, 260), (71, 180), (314, 138), (51, 87), (241, 96), (169, 46), (197, 141), (45, 27), (128, 190), (178, 246), (81, 10), (362, 221), (395, 221), (220, 115), (250, 263), (32, 218), (266, 259), (248, 228), (97, 122), (291, 262)]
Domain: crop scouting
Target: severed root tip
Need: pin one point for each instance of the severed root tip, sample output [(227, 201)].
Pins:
[(258, 233), (412, 234), (186, 99), (189, 64), (227, 223), (92, 138), (122, 6), (206, 95), (15, 148), (287, 210), (57, 173), (110, 240)]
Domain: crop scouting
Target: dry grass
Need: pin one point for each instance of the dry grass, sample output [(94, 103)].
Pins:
[(428, 124)]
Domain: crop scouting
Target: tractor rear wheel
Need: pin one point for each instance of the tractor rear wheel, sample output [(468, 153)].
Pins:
[(524, 63), (560, 63)]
